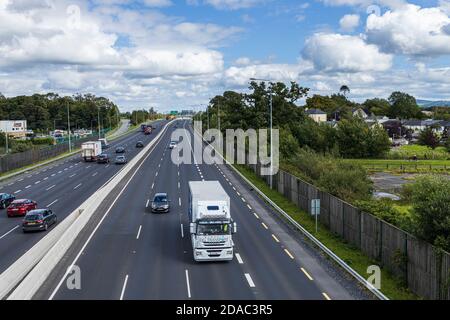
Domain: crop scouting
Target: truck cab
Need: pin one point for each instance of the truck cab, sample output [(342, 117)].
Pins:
[(211, 225)]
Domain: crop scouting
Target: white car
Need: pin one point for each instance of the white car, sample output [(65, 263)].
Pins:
[(173, 145)]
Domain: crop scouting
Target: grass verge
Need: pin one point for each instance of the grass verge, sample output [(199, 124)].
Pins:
[(391, 286)]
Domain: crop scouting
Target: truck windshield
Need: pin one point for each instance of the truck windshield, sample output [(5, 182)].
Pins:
[(213, 229)]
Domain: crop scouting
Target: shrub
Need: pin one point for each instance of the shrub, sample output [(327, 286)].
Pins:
[(430, 196)]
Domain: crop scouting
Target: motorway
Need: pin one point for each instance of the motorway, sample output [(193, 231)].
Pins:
[(61, 186), (133, 254)]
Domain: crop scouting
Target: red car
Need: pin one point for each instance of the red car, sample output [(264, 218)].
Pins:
[(20, 208)]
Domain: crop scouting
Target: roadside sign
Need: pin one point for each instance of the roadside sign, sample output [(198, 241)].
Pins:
[(315, 210)]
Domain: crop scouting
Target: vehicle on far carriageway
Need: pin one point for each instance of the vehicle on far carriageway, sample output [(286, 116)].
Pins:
[(39, 220), (211, 225), (121, 160), (19, 208), (6, 199), (91, 150)]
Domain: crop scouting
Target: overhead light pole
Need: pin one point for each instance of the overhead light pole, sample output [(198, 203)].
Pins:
[(68, 125), (99, 124), (271, 129)]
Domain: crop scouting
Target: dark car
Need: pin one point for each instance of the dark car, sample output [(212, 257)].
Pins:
[(161, 203), (20, 207), (6, 199), (121, 160), (103, 158), (38, 220), (120, 150), (139, 144)]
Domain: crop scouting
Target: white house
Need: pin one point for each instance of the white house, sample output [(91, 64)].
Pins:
[(14, 128), (317, 115)]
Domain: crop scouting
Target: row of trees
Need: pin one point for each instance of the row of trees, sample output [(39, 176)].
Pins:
[(399, 105), (350, 138), (47, 112)]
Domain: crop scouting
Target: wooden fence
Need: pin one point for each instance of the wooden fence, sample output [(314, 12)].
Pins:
[(424, 269)]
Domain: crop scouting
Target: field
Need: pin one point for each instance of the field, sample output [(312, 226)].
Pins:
[(422, 153)]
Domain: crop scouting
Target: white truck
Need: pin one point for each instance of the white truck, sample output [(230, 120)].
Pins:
[(91, 150), (211, 225)]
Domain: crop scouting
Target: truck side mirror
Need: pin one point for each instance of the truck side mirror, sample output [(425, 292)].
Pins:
[(234, 227), (192, 228)]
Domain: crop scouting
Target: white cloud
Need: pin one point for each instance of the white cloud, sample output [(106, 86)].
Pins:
[(349, 22), (341, 53), (410, 30), (230, 4)]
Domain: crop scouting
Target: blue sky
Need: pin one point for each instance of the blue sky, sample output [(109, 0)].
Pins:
[(177, 53)]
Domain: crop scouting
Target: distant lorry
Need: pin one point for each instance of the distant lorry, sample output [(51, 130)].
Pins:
[(91, 150), (211, 225)]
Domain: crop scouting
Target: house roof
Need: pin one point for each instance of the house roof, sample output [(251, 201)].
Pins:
[(315, 111), (416, 123)]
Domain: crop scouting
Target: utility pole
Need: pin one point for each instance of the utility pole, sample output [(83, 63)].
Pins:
[(271, 129), (6, 141), (68, 124), (99, 124)]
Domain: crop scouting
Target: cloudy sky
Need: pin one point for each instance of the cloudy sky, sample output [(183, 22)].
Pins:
[(174, 54)]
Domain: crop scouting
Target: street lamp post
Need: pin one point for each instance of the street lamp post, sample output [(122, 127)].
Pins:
[(68, 124), (99, 124), (271, 129)]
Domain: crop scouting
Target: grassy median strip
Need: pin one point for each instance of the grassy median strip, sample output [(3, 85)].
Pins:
[(390, 286)]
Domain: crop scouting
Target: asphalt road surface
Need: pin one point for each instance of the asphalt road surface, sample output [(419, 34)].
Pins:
[(134, 254), (61, 186)]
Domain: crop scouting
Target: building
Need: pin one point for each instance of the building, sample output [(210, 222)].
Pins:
[(361, 113), (317, 115), (14, 128)]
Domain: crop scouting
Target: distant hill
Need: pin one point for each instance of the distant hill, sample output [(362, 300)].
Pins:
[(429, 103)]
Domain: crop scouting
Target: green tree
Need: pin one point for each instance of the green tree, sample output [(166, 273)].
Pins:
[(344, 90), (379, 107), (429, 138), (430, 196), (404, 106)]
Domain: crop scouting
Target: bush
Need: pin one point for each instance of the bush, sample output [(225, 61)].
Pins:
[(18, 146), (385, 210), (347, 181), (430, 196), (43, 141)]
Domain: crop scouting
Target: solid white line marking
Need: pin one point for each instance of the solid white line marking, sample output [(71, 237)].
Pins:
[(49, 205), (77, 186), (187, 283), (239, 259), (124, 287), (249, 280), (307, 274), (139, 233), (9, 232), (18, 191), (49, 188), (326, 296)]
